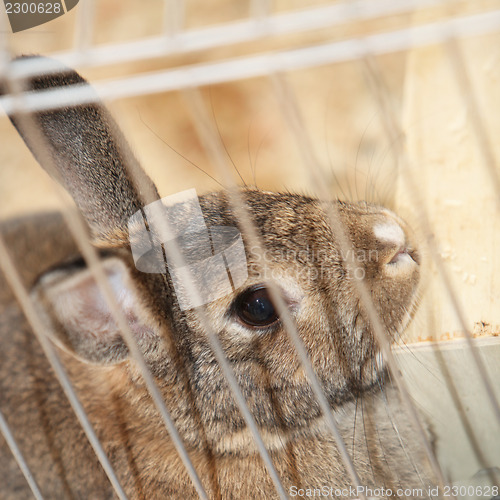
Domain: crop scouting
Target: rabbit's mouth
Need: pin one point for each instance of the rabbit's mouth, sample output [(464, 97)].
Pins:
[(405, 255)]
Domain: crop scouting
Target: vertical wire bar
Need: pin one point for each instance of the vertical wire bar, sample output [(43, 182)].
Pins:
[(105, 278), (77, 229), (18, 456), (260, 10), (4, 44), (474, 112), (174, 253), (396, 430), (90, 255), (289, 104), (13, 279), (23, 298), (84, 29), (173, 17), (216, 346), (201, 121), (394, 131), (462, 412)]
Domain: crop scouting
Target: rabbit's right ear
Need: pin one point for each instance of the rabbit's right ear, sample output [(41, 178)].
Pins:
[(83, 148), (81, 320)]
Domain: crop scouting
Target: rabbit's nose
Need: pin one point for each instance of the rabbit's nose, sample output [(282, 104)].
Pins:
[(393, 247)]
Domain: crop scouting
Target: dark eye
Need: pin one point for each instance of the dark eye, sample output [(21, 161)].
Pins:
[(254, 308)]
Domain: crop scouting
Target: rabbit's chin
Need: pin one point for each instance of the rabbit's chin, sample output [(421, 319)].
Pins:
[(241, 442), (373, 372)]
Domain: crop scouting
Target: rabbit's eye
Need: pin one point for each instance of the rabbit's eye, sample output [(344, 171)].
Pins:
[(254, 308)]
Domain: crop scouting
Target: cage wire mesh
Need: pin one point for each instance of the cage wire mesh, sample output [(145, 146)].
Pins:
[(390, 102)]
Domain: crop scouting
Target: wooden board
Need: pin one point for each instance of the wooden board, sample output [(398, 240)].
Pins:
[(458, 193)]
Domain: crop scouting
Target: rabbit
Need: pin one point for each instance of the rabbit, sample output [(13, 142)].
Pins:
[(86, 152)]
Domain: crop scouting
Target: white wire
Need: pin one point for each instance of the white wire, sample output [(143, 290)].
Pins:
[(173, 21), (84, 29), (13, 279), (226, 35), (4, 43), (78, 231), (247, 67), (211, 143), (242, 68), (394, 131), (475, 114), (339, 230), (174, 254), (90, 255), (18, 456), (260, 11)]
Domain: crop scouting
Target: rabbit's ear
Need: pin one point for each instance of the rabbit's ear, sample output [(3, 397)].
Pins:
[(83, 148), (81, 318)]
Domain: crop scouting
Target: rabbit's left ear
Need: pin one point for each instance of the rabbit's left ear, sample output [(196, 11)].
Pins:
[(83, 148), (81, 318)]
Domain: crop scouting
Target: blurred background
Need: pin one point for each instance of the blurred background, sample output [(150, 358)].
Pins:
[(342, 122), (337, 109), (396, 102)]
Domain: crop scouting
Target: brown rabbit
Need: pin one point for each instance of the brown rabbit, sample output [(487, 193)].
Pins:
[(304, 260)]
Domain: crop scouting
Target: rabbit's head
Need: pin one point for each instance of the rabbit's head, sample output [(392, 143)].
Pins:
[(297, 251)]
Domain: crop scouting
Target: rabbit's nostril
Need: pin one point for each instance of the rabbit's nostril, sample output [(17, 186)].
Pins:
[(390, 233), (392, 246)]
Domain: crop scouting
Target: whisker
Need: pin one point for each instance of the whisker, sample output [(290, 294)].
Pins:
[(223, 143), (185, 158)]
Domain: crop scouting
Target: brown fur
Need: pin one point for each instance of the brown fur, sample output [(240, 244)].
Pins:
[(306, 262)]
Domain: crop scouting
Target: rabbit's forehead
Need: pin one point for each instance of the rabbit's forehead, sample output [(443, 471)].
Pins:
[(287, 220)]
